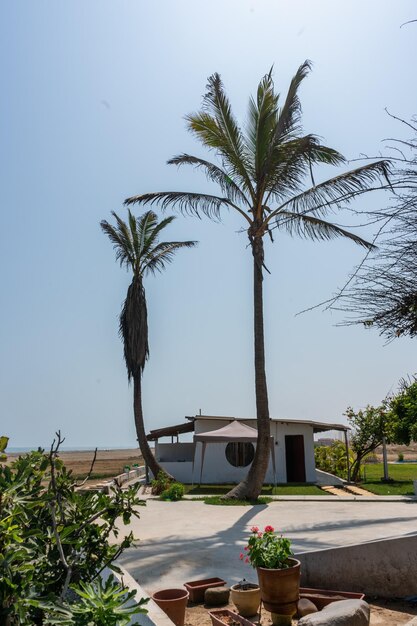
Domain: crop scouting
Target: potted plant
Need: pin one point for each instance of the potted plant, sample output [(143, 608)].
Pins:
[(278, 572), (246, 597)]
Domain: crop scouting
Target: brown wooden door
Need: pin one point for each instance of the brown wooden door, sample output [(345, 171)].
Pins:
[(295, 459)]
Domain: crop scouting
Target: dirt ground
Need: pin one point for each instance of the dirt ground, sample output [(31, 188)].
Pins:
[(409, 452), (383, 613), (108, 462)]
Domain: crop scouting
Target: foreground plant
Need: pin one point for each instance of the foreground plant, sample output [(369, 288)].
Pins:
[(267, 549), (98, 603), (265, 174), (53, 536)]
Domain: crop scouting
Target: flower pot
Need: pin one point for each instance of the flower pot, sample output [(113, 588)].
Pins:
[(225, 617), (246, 600), (322, 597), (280, 588), (173, 603), (197, 588)]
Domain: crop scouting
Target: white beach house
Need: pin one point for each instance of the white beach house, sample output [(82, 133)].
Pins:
[(223, 448)]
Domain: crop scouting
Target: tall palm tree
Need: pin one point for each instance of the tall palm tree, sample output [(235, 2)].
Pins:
[(261, 174), (138, 248)]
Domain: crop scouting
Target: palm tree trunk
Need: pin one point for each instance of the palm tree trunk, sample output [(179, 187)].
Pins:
[(147, 454), (251, 486)]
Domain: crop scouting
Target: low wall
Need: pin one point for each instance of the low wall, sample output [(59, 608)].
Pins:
[(324, 478), (385, 568)]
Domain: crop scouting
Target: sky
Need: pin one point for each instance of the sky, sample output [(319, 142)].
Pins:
[(93, 103)]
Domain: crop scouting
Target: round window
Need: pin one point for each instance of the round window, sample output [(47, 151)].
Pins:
[(240, 454)]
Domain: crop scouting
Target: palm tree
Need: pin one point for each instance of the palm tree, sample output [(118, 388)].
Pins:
[(261, 175), (138, 248)]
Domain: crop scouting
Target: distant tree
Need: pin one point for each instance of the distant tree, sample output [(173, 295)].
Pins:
[(265, 174), (3, 445), (383, 294), (369, 427), (138, 248), (403, 412)]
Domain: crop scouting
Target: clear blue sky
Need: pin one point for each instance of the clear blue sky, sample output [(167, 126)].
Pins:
[(93, 102)]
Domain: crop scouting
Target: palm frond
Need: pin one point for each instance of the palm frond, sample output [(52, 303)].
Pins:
[(153, 236), (309, 227), (217, 128), (164, 253), (215, 174), (290, 114), (186, 202), (121, 241), (262, 120), (293, 161), (342, 188)]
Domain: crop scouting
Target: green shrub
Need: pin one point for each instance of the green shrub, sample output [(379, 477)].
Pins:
[(160, 483), (400, 458), (332, 459), (174, 492), (53, 536)]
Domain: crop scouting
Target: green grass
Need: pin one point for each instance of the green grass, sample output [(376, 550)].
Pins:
[(293, 489), (217, 500), (402, 474)]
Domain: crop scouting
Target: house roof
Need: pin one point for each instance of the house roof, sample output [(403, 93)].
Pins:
[(168, 431), (318, 427), (235, 431)]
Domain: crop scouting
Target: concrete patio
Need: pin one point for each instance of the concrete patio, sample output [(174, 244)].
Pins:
[(181, 541)]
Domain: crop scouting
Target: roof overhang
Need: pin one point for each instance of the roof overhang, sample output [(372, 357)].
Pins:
[(171, 431)]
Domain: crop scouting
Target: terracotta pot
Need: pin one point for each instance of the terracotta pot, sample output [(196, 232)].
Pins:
[(280, 588), (197, 588), (323, 597), (173, 603), (247, 601)]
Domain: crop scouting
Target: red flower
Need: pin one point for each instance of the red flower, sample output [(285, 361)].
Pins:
[(246, 548), (241, 556), (246, 560), (269, 529), (259, 535), (254, 529)]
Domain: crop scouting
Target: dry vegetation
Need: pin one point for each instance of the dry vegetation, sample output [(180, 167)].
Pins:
[(409, 452), (108, 462)]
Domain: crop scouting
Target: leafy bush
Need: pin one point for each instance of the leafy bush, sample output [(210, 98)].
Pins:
[(160, 483), (174, 492), (52, 535), (400, 457), (332, 459)]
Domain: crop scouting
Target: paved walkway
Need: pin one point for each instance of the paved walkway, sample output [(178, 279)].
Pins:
[(189, 540)]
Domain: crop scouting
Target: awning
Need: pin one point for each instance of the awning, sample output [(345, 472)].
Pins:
[(235, 431)]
